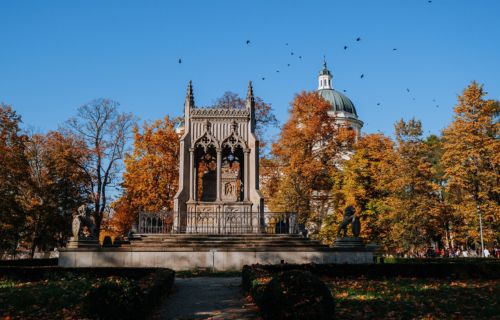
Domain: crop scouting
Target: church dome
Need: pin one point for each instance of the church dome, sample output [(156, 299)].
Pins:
[(339, 101)]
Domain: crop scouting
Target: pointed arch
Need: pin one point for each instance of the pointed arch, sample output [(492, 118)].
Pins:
[(234, 140), (207, 139)]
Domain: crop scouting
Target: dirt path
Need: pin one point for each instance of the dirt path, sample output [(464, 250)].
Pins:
[(206, 298)]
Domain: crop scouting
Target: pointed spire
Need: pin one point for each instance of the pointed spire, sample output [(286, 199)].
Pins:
[(189, 95), (250, 91), (324, 62), (251, 106)]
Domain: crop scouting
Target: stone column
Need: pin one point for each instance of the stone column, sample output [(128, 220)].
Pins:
[(246, 182), (192, 177), (219, 173)]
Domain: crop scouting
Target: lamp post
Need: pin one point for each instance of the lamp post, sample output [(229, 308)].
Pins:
[(480, 229)]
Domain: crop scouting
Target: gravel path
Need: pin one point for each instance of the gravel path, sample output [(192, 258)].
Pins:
[(206, 298)]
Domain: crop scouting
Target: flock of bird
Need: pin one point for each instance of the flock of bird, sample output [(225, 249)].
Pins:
[(345, 47)]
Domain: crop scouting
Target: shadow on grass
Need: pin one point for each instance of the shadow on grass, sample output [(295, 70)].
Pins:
[(412, 298)]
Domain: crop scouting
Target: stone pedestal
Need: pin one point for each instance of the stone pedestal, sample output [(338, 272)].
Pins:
[(352, 250), (349, 243), (74, 243)]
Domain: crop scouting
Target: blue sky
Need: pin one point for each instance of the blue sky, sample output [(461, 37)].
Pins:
[(58, 55)]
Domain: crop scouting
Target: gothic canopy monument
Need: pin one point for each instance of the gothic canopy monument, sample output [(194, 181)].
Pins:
[(218, 169)]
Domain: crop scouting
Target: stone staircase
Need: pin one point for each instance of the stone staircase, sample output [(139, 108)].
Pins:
[(226, 242)]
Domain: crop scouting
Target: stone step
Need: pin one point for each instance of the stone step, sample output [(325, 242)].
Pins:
[(208, 244), (224, 249), (239, 236), (222, 240), (226, 240)]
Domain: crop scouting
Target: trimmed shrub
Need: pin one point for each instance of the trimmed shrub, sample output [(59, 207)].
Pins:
[(113, 298), (456, 270), (107, 242), (297, 295), (29, 262)]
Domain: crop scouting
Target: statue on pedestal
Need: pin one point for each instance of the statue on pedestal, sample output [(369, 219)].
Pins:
[(343, 241), (349, 218), (83, 225)]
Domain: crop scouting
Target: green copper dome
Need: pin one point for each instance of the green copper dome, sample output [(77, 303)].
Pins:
[(339, 101)]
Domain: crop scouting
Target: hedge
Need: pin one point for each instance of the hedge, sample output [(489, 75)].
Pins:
[(116, 293), (29, 262), (415, 270)]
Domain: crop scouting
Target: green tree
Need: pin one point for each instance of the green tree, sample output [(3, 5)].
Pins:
[(13, 177)]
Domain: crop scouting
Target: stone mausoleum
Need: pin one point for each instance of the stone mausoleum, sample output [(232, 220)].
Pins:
[(219, 170)]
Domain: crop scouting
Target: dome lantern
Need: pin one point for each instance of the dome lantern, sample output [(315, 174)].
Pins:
[(325, 77)]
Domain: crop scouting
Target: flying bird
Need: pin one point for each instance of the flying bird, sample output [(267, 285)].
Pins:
[(288, 65), (345, 47), (362, 75), (378, 103), (300, 57), (248, 41), (180, 60), (263, 78), (286, 44), (291, 53), (277, 71), (358, 39), (407, 89), (394, 49), (344, 90)]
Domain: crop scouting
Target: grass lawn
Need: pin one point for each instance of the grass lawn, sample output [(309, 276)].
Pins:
[(410, 298), (52, 298)]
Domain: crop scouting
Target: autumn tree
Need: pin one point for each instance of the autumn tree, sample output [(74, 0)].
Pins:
[(362, 182), (413, 193), (309, 150), (471, 161), (264, 116), (105, 132), (150, 180), (13, 176), (55, 188), (449, 220)]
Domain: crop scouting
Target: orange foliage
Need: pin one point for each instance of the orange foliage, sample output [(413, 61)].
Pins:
[(151, 173), (472, 163), (309, 149)]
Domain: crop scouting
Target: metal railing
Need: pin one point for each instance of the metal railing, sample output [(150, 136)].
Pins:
[(218, 222)]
